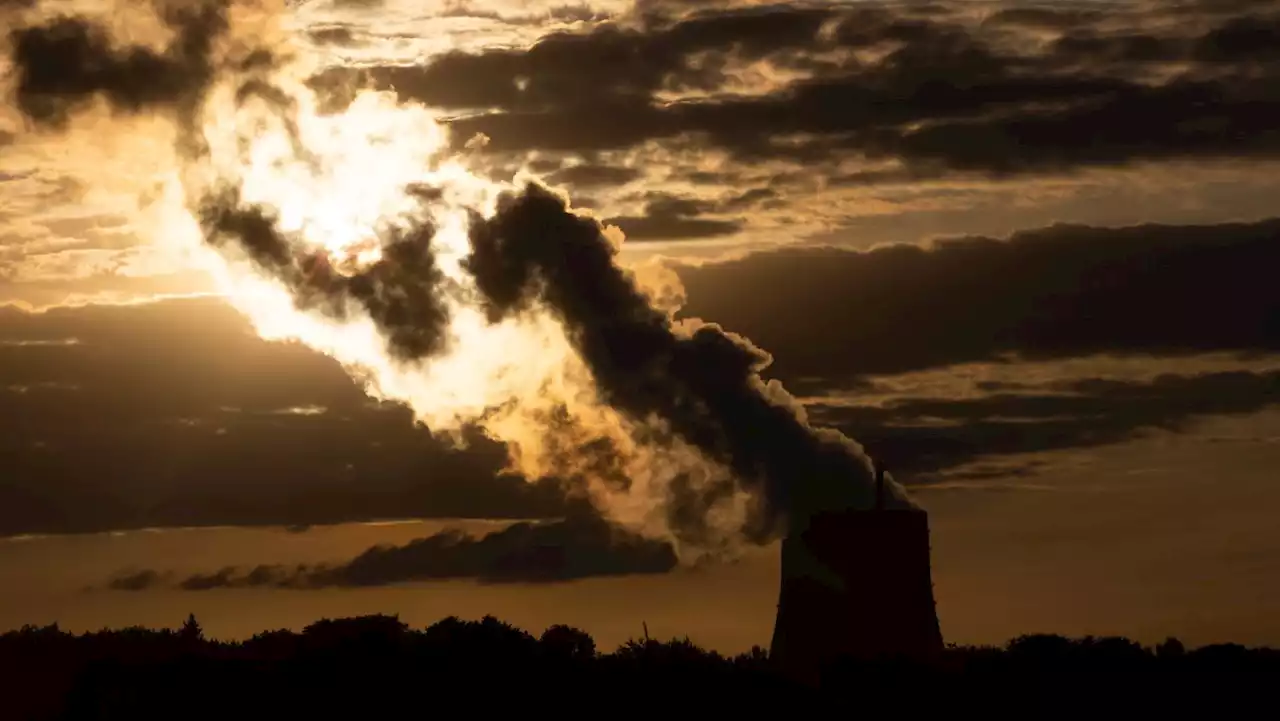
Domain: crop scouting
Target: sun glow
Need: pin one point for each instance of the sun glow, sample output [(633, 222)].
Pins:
[(342, 184)]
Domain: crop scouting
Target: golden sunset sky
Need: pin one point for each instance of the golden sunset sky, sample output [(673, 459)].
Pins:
[(1024, 253)]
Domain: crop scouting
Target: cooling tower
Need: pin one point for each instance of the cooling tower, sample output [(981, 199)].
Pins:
[(855, 584)]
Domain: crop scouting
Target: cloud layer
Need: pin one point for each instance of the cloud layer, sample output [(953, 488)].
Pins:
[(182, 441), (728, 125), (689, 397), (1055, 292), (938, 87), (554, 551)]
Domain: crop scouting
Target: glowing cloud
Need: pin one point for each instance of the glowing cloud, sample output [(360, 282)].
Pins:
[(473, 303)]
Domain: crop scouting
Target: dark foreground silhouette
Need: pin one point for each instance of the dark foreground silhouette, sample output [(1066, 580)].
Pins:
[(375, 666)]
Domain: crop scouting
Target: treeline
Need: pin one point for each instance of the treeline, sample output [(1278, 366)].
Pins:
[(375, 666)]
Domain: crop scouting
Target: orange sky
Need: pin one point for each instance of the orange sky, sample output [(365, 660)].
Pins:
[(1012, 250)]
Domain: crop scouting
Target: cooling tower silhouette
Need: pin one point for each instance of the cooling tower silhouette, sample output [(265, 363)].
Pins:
[(856, 584)]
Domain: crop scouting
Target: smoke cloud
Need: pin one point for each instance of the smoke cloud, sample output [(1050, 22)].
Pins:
[(701, 380), (66, 62), (669, 427), (402, 292)]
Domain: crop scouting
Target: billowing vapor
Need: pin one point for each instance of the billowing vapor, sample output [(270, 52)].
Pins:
[(477, 305), (401, 291), (700, 380)]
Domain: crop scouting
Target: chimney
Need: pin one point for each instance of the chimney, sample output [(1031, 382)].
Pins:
[(856, 584)]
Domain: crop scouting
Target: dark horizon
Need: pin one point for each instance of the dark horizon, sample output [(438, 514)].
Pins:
[(745, 254), (335, 664)]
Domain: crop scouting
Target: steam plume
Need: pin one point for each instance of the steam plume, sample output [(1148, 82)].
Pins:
[(68, 61), (401, 292), (701, 380), (646, 415)]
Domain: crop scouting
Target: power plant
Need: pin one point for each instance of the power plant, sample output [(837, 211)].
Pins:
[(856, 584)]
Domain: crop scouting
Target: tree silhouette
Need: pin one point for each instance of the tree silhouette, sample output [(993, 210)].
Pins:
[(1170, 649), (374, 666), (568, 642), (191, 630)]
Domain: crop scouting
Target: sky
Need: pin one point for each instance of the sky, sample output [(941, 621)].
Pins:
[(1021, 252)]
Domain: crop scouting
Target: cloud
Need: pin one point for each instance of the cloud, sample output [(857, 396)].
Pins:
[(554, 551), (834, 115), (138, 580), (153, 417), (555, 14), (1023, 90), (588, 175), (929, 438), (1060, 291), (670, 218), (332, 35), (659, 227), (103, 289), (700, 382), (833, 319), (65, 62)]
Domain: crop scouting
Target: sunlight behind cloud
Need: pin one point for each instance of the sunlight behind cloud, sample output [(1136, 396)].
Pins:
[(339, 188)]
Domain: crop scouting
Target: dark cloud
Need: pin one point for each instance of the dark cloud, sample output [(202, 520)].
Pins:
[(332, 35), (749, 198), (668, 217), (703, 383), (138, 580), (580, 70), (1057, 292), (524, 552), (1254, 40), (1182, 119), (68, 61), (547, 552), (658, 227), (210, 581), (946, 92), (1063, 291), (189, 431), (590, 175), (922, 438), (1046, 16), (152, 416)]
